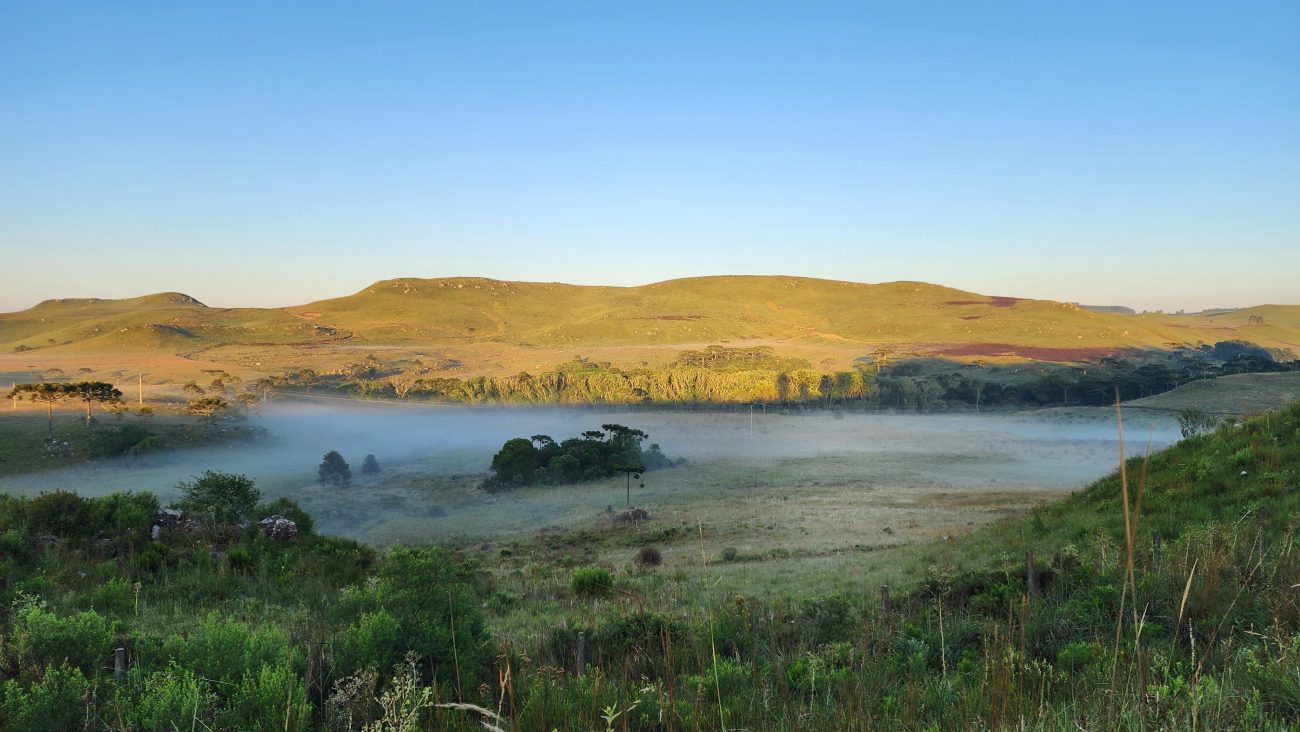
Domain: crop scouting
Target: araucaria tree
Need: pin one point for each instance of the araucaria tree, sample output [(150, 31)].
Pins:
[(47, 394), (334, 470), (94, 392)]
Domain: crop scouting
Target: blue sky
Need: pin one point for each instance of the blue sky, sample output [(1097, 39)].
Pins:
[(1145, 154)]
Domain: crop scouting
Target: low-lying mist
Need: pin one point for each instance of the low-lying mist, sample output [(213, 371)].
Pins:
[(433, 458)]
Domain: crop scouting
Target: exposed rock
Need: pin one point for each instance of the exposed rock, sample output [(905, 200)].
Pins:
[(635, 516), (279, 528)]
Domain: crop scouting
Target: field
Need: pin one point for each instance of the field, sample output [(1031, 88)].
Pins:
[(1227, 395), (801, 496)]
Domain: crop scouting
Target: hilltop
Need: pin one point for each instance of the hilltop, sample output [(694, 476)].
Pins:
[(477, 326)]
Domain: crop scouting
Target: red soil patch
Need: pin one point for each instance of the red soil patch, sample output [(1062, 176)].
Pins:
[(997, 302), (1036, 353), (971, 317)]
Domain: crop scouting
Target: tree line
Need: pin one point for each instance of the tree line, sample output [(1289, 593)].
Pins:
[(722, 375)]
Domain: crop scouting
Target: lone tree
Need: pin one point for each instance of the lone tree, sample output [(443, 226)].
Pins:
[(47, 393), (209, 408), (220, 499), (370, 466), (94, 392), (334, 470), (631, 471)]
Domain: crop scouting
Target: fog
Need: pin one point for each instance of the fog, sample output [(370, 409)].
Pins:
[(434, 457)]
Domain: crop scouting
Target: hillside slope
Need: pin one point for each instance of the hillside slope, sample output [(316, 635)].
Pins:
[(491, 326)]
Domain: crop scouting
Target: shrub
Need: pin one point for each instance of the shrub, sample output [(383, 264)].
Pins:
[(61, 513), (125, 513), (592, 581), (58, 701), (222, 499), (648, 556), (84, 640), (115, 597), (170, 700), (224, 649), (729, 554), (374, 640), (239, 557), (271, 698), (434, 599)]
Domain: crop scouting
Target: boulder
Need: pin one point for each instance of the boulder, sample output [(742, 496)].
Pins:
[(279, 528)]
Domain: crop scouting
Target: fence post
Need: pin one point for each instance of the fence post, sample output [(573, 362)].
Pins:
[(884, 604), (1031, 574), (119, 665), (582, 653)]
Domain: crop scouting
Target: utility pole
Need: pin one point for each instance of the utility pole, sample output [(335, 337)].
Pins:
[(140, 384)]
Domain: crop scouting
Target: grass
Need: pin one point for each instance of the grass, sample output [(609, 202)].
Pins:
[(24, 447), (1227, 395), (501, 328)]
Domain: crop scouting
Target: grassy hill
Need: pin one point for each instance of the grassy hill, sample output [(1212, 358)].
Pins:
[(484, 326)]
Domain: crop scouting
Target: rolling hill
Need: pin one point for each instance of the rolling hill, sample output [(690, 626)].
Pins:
[(484, 326)]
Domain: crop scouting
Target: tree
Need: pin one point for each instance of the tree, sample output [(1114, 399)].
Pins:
[(48, 393), (631, 471), (515, 461), (220, 499), (192, 389), (334, 470), (370, 466), (94, 392), (209, 408)]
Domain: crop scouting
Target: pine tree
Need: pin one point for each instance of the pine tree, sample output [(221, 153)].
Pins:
[(334, 470), (370, 466)]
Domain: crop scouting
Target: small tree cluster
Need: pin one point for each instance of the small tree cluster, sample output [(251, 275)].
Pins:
[(594, 454)]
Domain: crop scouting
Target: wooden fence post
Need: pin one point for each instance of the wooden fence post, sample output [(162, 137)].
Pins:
[(884, 604), (582, 653), (1031, 574), (119, 665)]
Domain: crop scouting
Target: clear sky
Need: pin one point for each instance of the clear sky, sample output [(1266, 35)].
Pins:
[(1136, 153)]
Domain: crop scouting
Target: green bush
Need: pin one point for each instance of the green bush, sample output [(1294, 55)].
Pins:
[(60, 700), (224, 649), (84, 640), (61, 513), (374, 640), (592, 581), (115, 597), (169, 700), (434, 599), (270, 699)]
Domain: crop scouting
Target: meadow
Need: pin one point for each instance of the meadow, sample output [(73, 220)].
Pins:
[(753, 597)]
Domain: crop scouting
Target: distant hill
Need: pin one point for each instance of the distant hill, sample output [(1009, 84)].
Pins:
[(1116, 309), (477, 325)]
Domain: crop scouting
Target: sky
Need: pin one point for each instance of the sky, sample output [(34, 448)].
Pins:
[(269, 154)]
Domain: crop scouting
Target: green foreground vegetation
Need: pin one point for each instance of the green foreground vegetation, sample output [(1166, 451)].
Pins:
[(225, 627)]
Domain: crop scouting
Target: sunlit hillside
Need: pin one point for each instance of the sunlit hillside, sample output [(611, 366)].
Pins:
[(483, 326)]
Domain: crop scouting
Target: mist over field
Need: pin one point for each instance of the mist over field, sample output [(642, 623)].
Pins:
[(434, 458)]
